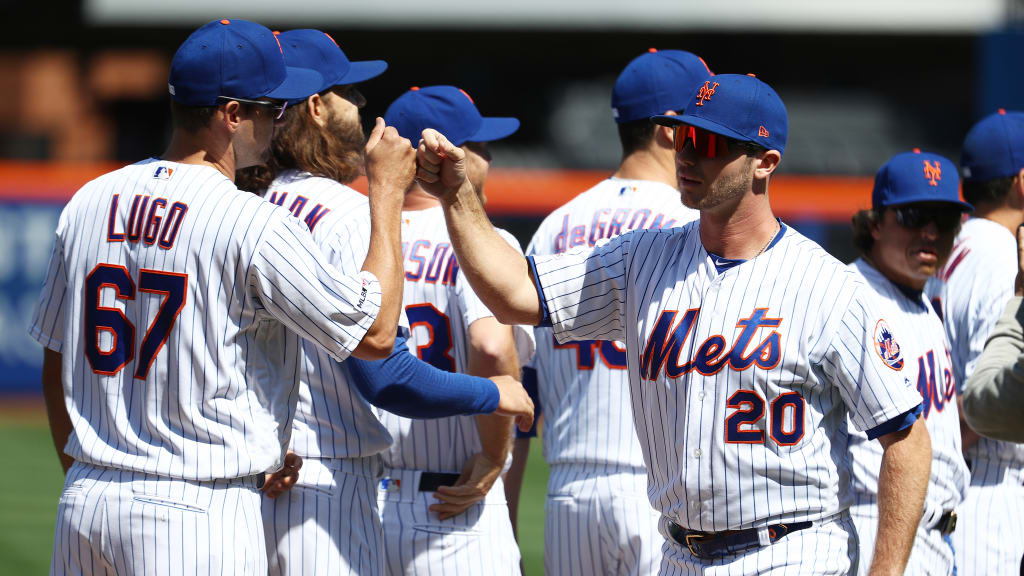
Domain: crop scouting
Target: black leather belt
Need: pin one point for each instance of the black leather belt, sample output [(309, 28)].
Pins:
[(946, 523), (430, 481), (711, 545), (260, 479)]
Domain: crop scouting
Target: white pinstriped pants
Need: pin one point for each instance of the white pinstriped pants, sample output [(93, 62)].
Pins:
[(598, 520), (477, 542), (829, 547), (932, 554), (989, 536), (327, 523), (120, 522)]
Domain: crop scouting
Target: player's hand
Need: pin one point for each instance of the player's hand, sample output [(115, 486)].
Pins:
[(514, 401), (279, 482), (1018, 287), (478, 476), (390, 160), (441, 164)]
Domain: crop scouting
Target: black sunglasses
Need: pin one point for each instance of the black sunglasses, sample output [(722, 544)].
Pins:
[(276, 109), (911, 216)]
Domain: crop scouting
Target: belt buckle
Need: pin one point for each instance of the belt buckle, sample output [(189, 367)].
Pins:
[(692, 539)]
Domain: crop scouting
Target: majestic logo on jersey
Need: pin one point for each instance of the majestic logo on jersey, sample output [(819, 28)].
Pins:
[(933, 172), (163, 173), (706, 92), (887, 347), (664, 349)]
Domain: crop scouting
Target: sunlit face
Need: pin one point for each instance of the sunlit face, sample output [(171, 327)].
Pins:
[(252, 139), (713, 183), (909, 255), (478, 162), (343, 119)]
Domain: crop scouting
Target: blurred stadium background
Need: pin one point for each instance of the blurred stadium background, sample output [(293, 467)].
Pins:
[(83, 86)]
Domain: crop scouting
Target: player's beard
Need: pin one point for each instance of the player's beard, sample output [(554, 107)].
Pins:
[(725, 189), (345, 143)]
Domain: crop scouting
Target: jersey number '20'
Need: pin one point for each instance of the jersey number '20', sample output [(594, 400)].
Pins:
[(99, 318), (787, 418), (438, 350)]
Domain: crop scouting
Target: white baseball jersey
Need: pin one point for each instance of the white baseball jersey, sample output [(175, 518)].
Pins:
[(971, 292), (928, 367), (177, 302), (583, 386), (332, 420), (741, 380)]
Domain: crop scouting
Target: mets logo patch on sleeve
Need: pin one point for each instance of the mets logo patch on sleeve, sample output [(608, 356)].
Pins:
[(887, 347)]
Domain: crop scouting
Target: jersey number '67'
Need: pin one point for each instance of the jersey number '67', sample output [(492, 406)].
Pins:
[(172, 286)]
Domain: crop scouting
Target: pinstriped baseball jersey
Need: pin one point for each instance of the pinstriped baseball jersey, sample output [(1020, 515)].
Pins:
[(440, 306), (332, 420), (741, 381), (583, 385), (177, 302), (928, 366), (971, 291)]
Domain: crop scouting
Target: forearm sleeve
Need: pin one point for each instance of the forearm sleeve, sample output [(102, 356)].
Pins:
[(404, 385), (994, 395)]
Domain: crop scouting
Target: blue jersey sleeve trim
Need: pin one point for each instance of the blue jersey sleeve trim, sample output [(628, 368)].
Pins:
[(407, 386), (530, 384), (545, 319), (901, 422)]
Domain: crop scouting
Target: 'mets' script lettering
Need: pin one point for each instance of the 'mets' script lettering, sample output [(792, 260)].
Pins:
[(667, 341), (150, 221)]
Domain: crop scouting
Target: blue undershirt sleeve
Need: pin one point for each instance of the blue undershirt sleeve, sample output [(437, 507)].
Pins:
[(901, 422), (545, 319), (530, 384), (404, 385)]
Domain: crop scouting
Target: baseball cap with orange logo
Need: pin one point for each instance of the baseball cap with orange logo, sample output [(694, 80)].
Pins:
[(656, 81), (912, 177)]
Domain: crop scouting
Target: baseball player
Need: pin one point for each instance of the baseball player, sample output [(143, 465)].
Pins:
[(329, 523), (747, 346), (171, 316), (597, 469), (903, 239), (442, 501), (970, 292)]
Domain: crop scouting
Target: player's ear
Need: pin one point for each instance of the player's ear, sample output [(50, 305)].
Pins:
[(232, 111), (765, 164), (317, 110), (663, 135)]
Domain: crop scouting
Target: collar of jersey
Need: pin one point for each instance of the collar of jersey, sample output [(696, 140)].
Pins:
[(722, 264)]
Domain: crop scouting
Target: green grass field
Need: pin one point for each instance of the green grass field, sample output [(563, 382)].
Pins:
[(31, 486)]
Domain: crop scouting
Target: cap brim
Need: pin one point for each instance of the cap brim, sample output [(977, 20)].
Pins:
[(363, 71), (300, 83), (495, 129), (963, 206)]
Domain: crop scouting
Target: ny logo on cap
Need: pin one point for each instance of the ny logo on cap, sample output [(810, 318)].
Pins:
[(933, 172), (706, 92)]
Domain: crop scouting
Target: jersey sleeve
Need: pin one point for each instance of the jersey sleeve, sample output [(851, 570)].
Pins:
[(584, 291), (864, 361), (981, 320), (47, 325), (301, 289)]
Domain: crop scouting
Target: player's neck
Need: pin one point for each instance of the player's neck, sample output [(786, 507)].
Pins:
[(1006, 216), (649, 165), (417, 199), (739, 234), (188, 148)]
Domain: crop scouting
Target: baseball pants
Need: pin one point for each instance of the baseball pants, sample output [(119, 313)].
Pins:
[(478, 541), (120, 522), (989, 536), (931, 555), (829, 547), (598, 520), (328, 522)]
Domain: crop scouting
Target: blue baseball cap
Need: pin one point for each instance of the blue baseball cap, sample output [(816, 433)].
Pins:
[(450, 111), (994, 147), (917, 176), (736, 106), (657, 81), (318, 51), (236, 59)]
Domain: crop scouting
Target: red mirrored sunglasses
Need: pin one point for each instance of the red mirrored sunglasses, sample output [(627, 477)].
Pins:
[(705, 143)]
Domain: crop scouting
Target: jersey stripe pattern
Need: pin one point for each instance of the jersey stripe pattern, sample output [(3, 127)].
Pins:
[(185, 300), (740, 381), (584, 387), (332, 419), (440, 306), (929, 368)]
